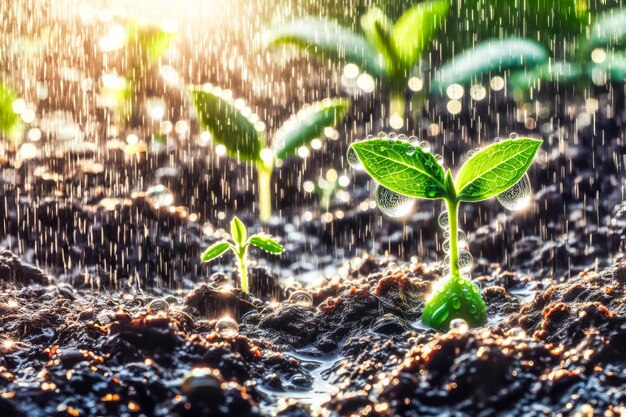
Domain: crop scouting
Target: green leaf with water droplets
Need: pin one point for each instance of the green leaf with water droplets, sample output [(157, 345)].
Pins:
[(215, 250), (267, 243), (329, 40), (228, 125), (307, 125), (377, 28), (452, 298), (402, 168), (495, 168)]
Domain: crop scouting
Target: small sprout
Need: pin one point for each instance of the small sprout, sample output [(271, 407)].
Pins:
[(241, 134), (411, 172), (239, 245)]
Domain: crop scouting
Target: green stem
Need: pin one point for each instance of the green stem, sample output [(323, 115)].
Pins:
[(397, 107), (243, 268), (264, 173), (453, 208)]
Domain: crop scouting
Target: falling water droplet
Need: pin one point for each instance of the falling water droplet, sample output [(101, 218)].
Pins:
[(459, 326), (465, 261), (227, 328), (393, 204), (301, 298), (518, 196), (443, 220), (158, 304), (159, 196), (353, 159)]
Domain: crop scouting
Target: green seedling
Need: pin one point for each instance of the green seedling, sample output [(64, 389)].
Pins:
[(239, 245), (405, 171), (385, 50), (234, 126)]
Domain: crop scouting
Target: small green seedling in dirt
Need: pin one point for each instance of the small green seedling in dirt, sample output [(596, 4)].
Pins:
[(234, 126), (404, 170), (239, 245), (386, 50)]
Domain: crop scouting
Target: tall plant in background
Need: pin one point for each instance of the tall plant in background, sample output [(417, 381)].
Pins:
[(10, 124), (233, 125), (386, 50), (142, 46), (404, 171)]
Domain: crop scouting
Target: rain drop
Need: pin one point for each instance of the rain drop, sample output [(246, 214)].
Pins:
[(459, 326), (301, 298), (353, 159), (518, 196), (393, 204), (159, 196), (465, 261), (158, 304), (425, 146), (227, 328), (443, 220)]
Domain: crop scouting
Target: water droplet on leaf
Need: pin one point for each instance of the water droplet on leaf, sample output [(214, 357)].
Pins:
[(410, 150), (353, 159), (425, 146), (518, 196), (392, 203)]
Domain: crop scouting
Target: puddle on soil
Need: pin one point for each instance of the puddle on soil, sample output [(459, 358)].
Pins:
[(321, 390)]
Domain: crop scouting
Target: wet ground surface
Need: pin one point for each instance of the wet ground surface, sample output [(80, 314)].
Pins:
[(89, 243)]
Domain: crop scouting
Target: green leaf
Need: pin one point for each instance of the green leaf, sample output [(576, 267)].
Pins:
[(238, 231), (402, 168), (415, 29), (328, 40), (559, 71), (377, 29), (215, 250), (307, 125), (609, 29), (495, 168), (490, 56), (8, 118), (266, 243), (228, 125)]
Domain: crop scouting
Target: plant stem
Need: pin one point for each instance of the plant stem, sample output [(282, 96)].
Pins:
[(397, 105), (243, 268), (453, 207), (264, 173)]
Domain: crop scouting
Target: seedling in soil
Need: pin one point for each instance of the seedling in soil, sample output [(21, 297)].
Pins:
[(386, 50), (239, 245), (234, 126), (405, 171)]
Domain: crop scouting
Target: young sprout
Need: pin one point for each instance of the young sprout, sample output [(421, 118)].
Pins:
[(233, 126), (239, 245), (405, 170), (386, 50)]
